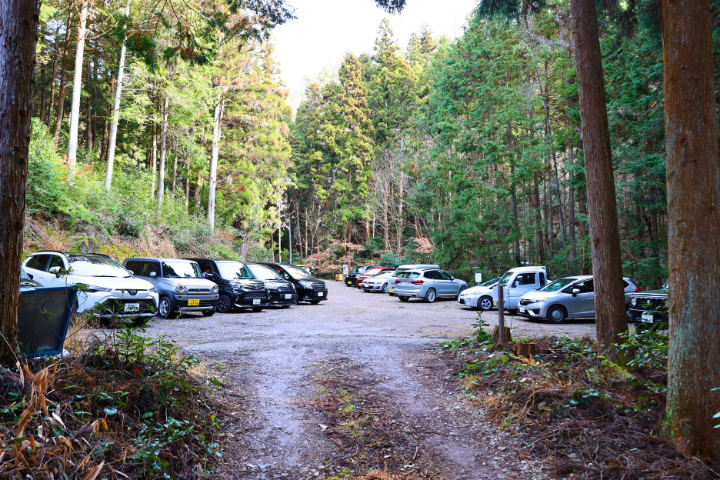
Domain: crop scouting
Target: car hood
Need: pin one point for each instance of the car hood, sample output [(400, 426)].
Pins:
[(116, 283), (477, 289), (191, 282), (652, 293), (535, 294), (247, 281)]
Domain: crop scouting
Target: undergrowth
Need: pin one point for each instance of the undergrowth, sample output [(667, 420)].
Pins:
[(588, 416), (128, 407)]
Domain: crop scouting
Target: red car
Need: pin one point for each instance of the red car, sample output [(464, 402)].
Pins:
[(371, 271)]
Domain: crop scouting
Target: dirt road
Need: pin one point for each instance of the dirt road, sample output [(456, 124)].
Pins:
[(352, 385)]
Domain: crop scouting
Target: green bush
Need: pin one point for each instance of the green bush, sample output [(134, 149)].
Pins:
[(46, 189)]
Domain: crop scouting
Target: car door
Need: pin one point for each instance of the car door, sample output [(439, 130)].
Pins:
[(52, 279), (582, 305), (431, 279), (35, 268), (449, 286), (523, 283), (150, 271)]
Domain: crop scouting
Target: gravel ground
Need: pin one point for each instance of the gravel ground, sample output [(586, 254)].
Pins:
[(270, 363)]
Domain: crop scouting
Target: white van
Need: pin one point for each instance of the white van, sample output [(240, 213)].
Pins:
[(517, 282)]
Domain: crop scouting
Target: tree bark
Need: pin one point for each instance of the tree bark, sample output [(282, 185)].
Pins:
[(77, 87), (163, 151), (693, 191), (604, 234), (18, 38)]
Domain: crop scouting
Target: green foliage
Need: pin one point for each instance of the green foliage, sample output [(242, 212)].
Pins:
[(647, 349), (46, 186)]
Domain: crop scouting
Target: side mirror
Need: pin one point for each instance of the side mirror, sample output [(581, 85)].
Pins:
[(153, 274), (55, 270), (452, 278), (575, 291)]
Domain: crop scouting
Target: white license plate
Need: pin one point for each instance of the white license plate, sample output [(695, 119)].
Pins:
[(256, 301), (132, 307), (646, 318), (320, 294), (521, 309), (288, 296)]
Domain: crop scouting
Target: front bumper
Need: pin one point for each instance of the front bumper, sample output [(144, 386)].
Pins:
[(372, 288), (118, 305), (636, 315), (533, 310), (468, 300), (311, 295), (194, 303), (282, 297), (251, 299)]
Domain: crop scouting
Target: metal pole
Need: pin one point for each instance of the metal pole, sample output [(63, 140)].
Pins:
[(290, 238), (501, 314)]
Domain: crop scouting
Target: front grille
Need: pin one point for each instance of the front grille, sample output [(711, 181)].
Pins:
[(117, 307), (255, 295), (318, 287), (652, 302), (206, 303), (198, 290), (255, 287)]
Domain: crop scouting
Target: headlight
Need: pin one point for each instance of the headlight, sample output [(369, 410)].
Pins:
[(307, 284), (215, 289), (180, 289), (633, 301), (538, 300), (95, 288), (152, 289)]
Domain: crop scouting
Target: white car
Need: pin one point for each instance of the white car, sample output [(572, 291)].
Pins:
[(105, 287), (479, 296), (378, 283)]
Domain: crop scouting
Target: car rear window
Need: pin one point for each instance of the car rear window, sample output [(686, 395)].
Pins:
[(373, 271), (408, 274)]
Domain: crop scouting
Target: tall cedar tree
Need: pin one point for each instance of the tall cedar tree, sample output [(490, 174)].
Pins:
[(693, 189)]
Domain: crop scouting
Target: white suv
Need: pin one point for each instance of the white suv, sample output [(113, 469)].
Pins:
[(110, 291)]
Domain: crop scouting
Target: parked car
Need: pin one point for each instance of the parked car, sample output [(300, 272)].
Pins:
[(308, 288), (565, 298), (26, 281), (371, 272), (280, 291), (405, 268), (428, 285), (379, 282), (110, 292), (648, 308), (351, 280), (479, 296), (239, 289), (518, 281), (179, 284)]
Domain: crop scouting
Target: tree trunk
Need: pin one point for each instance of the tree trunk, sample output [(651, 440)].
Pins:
[(198, 186), (116, 110), (693, 190), (187, 186), (77, 87), (18, 38), (174, 177), (214, 161), (88, 114), (571, 201), (163, 151), (400, 223), (153, 153), (42, 92), (605, 238)]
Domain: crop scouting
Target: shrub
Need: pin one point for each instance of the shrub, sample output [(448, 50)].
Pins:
[(46, 181)]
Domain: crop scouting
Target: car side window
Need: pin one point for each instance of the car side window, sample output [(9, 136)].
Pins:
[(432, 275), (525, 279), (149, 267), (38, 262), (56, 261), (585, 287), (134, 267), (542, 279), (444, 275), (625, 284)]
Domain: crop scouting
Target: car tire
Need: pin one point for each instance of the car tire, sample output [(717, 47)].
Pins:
[(485, 303), (314, 302), (386, 288), (557, 314), (403, 299), (512, 311), (430, 296), (257, 309), (224, 304), (285, 306), (164, 308), (209, 313)]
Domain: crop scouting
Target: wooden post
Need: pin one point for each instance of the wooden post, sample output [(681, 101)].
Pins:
[(501, 313)]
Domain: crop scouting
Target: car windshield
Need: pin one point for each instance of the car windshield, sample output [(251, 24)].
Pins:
[(490, 282), (298, 273), (357, 270), (506, 279), (92, 266), (233, 270), (407, 274), (386, 273), (264, 273), (23, 275), (558, 284), (180, 269)]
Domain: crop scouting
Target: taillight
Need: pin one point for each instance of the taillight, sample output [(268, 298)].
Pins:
[(637, 289), (397, 281), (417, 282)]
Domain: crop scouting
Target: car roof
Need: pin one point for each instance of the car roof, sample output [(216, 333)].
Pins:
[(45, 252), (527, 269), (419, 265), (160, 259)]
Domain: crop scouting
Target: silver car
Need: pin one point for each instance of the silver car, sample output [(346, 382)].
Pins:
[(565, 298), (428, 284), (379, 282)]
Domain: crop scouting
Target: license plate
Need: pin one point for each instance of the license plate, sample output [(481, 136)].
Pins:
[(288, 296), (645, 318), (392, 290), (256, 301), (521, 309), (349, 282), (495, 304), (320, 294), (194, 302), (132, 307)]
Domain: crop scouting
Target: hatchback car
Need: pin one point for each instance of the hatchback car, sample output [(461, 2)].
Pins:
[(565, 298), (308, 288), (379, 282), (371, 272), (281, 292), (239, 289), (110, 292), (179, 284), (479, 296), (428, 285)]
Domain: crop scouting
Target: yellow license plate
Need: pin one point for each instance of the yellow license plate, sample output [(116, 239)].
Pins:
[(194, 302), (392, 290)]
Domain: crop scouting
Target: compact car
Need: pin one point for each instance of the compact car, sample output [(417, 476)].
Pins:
[(308, 288), (106, 289), (428, 285), (479, 296), (281, 292), (379, 282), (371, 272), (239, 289), (179, 284)]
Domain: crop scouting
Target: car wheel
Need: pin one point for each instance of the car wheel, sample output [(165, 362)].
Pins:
[(386, 288), (430, 295), (403, 299), (485, 303), (257, 309), (164, 307), (224, 304), (314, 302), (557, 314), (209, 313)]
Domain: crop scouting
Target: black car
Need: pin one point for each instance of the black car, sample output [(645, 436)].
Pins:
[(352, 279), (648, 308), (239, 289), (281, 292), (308, 288)]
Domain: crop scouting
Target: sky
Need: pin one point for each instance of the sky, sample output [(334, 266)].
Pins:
[(325, 30)]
